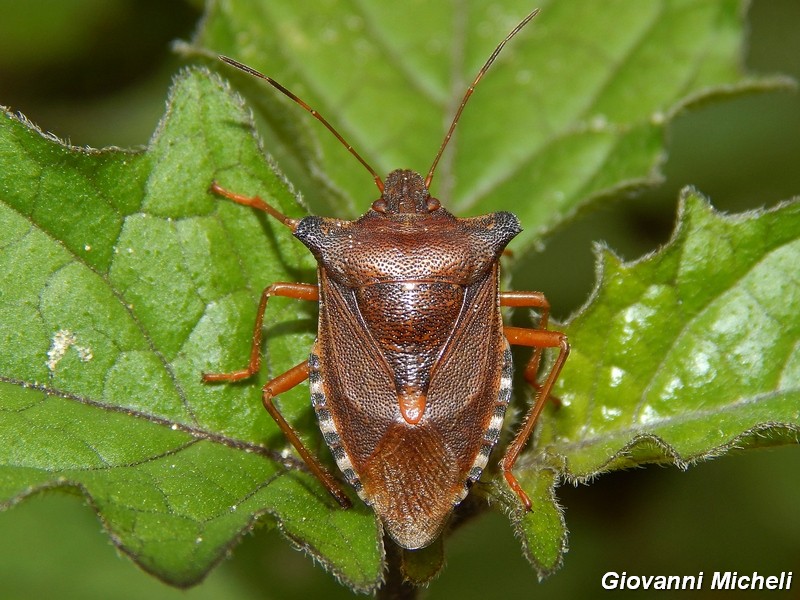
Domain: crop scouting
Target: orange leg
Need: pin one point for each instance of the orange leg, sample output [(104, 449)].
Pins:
[(530, 300), (299, 291), (295, 375), (283, 383), (254, 202), (539, 339)]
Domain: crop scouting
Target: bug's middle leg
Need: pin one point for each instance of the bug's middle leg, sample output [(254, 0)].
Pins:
[(530, 300), (299, 291), (284, 382)]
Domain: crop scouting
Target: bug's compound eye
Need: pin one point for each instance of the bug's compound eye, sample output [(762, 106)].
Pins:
[(379, 206), (433, 204)]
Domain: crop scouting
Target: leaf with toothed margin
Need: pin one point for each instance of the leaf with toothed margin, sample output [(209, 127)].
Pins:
[(122, 280), (542, 530), (682, 356)]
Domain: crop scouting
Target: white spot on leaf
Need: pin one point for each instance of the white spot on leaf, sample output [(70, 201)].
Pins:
[(62, 341), (598, 123), (616, 376), (649, 415), (610, 413)]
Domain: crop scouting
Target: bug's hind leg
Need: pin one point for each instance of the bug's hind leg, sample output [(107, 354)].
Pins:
[(283, 383), (538, 339)]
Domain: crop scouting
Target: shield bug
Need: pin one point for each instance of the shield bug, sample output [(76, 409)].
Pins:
[(410, 374)]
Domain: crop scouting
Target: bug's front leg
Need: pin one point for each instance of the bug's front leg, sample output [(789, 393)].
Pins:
[(539, 339), (253, 202), (299, 291)]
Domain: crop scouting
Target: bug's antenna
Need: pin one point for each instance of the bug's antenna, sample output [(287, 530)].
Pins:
[(314, 113), (471, 89)]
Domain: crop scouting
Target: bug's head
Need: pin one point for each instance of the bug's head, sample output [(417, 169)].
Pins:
[(405, 192)]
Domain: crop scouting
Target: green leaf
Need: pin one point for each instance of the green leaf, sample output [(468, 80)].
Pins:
[(683, 355), (124, 280), (574, 108), (542, 530)]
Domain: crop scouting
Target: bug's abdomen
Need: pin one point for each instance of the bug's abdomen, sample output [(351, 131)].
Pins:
[(411, 322)]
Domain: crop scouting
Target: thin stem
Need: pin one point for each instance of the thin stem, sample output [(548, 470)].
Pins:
[(395, 587)]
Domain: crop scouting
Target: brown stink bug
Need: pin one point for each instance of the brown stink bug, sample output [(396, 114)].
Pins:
[(410, 374)]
